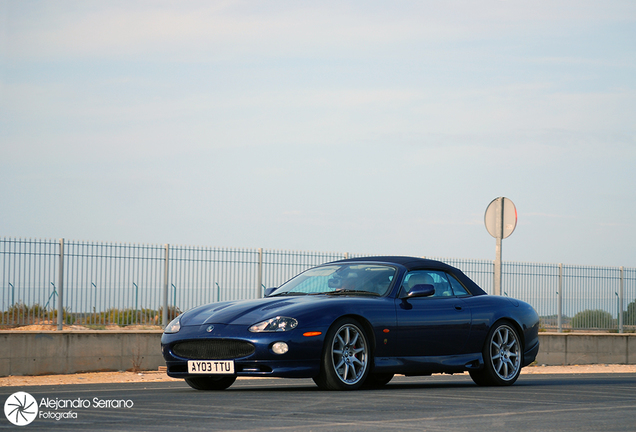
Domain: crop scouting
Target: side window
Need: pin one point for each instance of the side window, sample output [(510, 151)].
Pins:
[(431, 277), (416, 278), (458, 288)]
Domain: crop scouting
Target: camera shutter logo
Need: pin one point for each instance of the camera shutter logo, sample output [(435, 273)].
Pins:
[(21, 408)]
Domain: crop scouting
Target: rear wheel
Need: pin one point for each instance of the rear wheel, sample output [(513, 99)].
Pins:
[(345, 357), (211, 383), (502, 357)]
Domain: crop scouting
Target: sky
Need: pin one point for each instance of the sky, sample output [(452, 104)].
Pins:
[(367, 127)]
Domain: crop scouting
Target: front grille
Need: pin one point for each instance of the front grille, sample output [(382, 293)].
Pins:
[(213, 349)]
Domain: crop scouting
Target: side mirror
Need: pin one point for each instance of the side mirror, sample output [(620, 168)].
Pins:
[(421, 290), (269, 291)]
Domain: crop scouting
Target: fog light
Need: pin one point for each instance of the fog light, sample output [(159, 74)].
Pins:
[(280, 348)]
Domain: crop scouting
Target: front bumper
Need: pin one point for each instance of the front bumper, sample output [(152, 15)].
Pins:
[(531, 354), (301, 361)]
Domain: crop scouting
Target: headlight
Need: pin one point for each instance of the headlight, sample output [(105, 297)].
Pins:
[(278, 324), (174, 325)]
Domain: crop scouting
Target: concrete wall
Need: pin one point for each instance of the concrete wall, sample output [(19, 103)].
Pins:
[(587, 348), (64, 352)]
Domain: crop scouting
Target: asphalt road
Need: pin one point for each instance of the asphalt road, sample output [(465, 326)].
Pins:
[(589, 402)]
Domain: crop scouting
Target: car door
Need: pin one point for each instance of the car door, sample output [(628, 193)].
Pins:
[(438, 325)]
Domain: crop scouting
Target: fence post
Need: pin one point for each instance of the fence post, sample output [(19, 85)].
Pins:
[(164, 314), (620, 301), (259, 279), (60, 286), (560, 301)]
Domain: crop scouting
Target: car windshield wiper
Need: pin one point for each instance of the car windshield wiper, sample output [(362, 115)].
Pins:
[(289, 293), (351, 291)]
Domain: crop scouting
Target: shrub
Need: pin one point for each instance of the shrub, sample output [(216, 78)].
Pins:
[(20, 313), (629, 318), (593, 319)]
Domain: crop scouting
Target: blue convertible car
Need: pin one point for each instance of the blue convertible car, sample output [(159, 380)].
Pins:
[(354, 323)]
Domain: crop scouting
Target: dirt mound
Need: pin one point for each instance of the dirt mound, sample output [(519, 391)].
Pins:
[(53, 327)]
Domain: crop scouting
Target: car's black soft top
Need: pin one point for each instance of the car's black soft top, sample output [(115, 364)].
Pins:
[(414, 263)]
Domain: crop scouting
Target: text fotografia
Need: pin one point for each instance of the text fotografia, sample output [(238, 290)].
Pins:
[(56, 415), (55, 403)]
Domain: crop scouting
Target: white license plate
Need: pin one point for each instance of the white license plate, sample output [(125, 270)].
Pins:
[(225, 367)]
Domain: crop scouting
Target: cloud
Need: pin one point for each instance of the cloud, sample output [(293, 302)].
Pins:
[(242, 119), (208, 31), (548, 215)]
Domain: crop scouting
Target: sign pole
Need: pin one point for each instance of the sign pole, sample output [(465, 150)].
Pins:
[(499, 205), (497, 281), (500, 220)]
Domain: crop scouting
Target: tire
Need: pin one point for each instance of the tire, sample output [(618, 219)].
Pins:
[(346, 357), (211, 383), (503, 353), (377, 380)]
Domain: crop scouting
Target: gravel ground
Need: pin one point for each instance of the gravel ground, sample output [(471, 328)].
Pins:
[(154, 376)]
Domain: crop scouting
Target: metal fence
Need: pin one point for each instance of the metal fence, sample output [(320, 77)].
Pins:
[(99, 284)]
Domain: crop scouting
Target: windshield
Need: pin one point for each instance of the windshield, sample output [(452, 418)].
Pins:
[(370, 279)]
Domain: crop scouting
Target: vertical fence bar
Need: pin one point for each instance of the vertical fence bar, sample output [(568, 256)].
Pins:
[(166, 284), (259, 278), (60, 289), (560, 301), (621, 287)]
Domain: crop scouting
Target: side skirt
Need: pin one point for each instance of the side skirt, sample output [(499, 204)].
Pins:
[(427, 365)]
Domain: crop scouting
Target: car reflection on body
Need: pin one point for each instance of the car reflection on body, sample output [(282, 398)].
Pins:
[(353, 323)]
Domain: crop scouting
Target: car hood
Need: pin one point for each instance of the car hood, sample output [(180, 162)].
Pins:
[(248, 312)]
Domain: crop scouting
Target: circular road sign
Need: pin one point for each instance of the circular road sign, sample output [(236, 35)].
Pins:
[(501, 217)]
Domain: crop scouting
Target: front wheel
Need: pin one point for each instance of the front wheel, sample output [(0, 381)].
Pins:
[(502, 357), (211, 383), (377, 380), (345, 357)]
